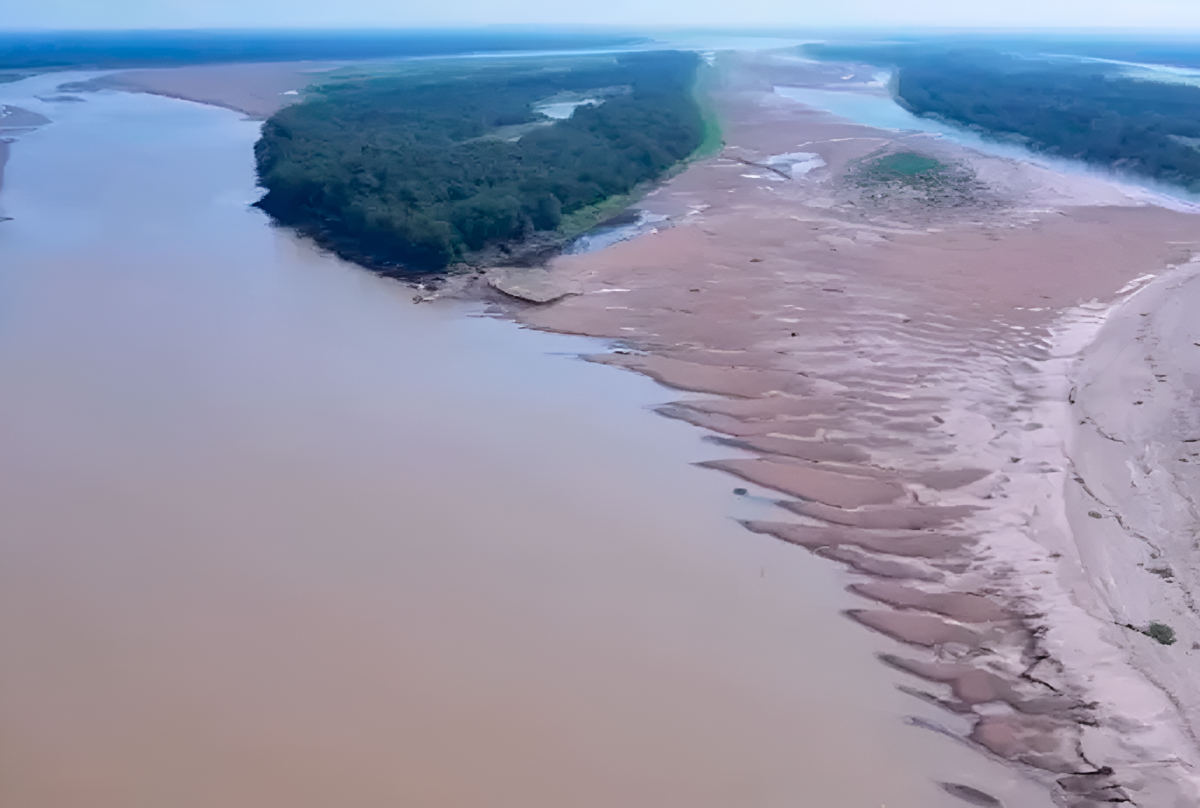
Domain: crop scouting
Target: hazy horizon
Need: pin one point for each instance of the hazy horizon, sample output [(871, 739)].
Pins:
[(630, 29), (1167, 16)]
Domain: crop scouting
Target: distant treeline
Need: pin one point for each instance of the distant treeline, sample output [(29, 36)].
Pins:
[(1182, 50), (420, 170), (109, 49), (1097, 112)]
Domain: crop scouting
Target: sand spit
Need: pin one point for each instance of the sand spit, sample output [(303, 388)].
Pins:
[(258, 90), (15, 121), (902, 367), (16, 118)]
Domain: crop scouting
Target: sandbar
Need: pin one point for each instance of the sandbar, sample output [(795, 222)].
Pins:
[(258, 89)]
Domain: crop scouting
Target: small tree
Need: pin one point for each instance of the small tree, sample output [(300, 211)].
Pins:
[(1161, 632)]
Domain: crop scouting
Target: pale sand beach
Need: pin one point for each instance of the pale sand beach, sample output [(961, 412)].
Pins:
[(1132, 429), (904, 372)]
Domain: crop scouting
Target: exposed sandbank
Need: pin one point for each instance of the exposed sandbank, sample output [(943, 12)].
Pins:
[(15, 120), (18, 118), (258, 90), (1133, 439), (902, 370)]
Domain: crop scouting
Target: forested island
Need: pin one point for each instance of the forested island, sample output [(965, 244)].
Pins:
[(419, 168), (1107, 114)]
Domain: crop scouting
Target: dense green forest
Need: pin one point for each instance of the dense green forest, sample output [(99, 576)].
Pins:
[(1106, 114), (419, 169)]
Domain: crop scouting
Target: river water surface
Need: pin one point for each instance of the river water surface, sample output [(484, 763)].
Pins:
[(272, 535)]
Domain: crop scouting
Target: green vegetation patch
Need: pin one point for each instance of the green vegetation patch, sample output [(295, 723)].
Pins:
[(907, 176), (418, 167), (907, 164), (1159, 632), (713, 140)]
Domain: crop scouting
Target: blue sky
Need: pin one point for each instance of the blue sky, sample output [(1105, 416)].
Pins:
[(1171, 14)]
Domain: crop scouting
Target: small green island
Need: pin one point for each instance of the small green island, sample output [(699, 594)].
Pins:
[(891, 177), (417, 166)]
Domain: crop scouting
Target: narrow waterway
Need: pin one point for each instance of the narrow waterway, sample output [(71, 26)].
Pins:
[(876, 108), (272, 535)]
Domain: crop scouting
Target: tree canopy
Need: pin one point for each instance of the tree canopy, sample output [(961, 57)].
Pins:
[(423, 168), (1103, 113)]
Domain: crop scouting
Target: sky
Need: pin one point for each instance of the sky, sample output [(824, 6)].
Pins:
[(124, 14)]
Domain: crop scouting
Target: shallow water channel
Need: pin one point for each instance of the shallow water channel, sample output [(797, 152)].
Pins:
[(272, 535), (876, 108)]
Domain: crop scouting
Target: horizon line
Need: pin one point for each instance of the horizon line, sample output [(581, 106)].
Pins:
[(765, 29)]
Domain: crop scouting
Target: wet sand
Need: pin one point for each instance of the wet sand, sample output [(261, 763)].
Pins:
[(902, 372)]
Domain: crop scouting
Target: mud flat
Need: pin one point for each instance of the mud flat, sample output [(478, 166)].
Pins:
[(897, 357)]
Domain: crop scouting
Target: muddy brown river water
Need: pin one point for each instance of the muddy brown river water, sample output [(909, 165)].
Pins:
[(271, 535)]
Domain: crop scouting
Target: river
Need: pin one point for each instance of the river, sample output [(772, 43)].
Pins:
[(272, 535)]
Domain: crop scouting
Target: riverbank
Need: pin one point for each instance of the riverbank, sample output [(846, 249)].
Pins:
[(900, 368)]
